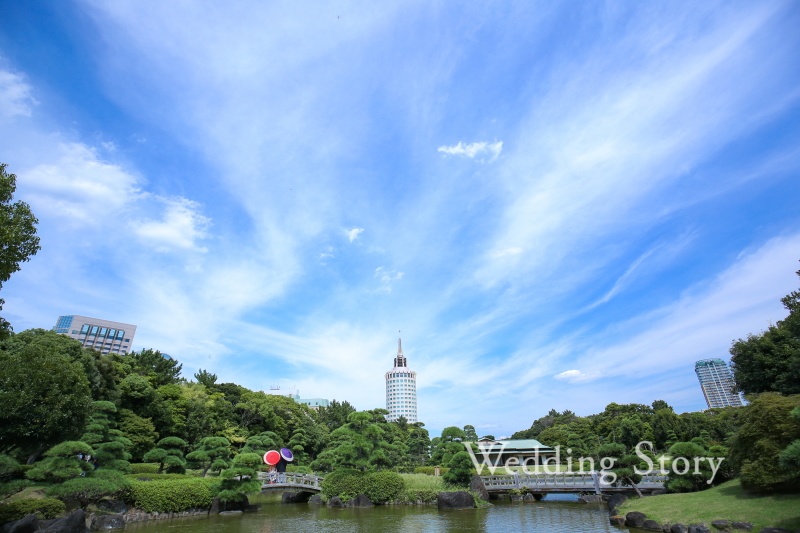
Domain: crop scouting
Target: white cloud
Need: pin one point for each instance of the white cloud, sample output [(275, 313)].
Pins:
[(387, 276), (79, 187), (15, 95), (353, 234), (475, 149), (180, 226), (572, 376)]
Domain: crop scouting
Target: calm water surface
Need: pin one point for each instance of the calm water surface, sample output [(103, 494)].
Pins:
[(554, 514)]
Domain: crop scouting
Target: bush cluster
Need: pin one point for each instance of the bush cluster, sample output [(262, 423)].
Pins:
[(430, 470), (379, 487), (170, 495), (43, 508), (144, 468)]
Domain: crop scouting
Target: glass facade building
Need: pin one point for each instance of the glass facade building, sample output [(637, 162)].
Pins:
[(102, 335), (401, 389), (717, 383)]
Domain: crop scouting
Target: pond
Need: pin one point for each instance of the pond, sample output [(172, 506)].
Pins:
[(556, 513)]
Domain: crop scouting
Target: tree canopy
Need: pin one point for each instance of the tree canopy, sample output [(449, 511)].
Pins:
[(18, 240), (770, 360)]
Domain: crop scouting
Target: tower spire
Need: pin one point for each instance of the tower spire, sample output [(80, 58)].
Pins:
[(400, 360)]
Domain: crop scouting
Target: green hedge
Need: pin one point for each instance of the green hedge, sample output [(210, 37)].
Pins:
[(144, 468), (159, 477), (379, 487), (431, 470), (43, 507), (170, 495)]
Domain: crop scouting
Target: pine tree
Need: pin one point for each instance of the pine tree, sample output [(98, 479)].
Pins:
[(169, 454), (108, 442), (213, 453), (62, 462), (240, 479)]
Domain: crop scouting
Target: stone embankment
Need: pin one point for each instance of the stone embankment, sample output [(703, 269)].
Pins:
[(114, 514)]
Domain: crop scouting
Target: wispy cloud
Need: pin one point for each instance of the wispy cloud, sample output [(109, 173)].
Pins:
[(15, 95), (352, 234), (475, 150), (180, 227)]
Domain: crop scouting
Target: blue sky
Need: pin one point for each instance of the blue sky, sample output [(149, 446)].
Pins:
[(560, 206)]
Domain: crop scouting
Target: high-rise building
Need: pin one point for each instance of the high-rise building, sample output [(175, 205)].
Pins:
[(102, 335), (401, 389), (717, 383)]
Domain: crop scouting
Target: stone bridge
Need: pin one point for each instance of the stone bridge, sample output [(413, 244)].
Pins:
[(542, 483), (290, 481)]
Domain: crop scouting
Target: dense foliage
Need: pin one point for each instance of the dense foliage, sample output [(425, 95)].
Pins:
[(767, 430), (770, 361)]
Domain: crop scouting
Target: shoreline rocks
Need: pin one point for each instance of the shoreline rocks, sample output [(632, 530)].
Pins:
[(455, 500)]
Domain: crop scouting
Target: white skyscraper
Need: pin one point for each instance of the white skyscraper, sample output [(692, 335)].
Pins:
[(401, 389)]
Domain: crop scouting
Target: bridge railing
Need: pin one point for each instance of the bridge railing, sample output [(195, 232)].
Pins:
[(562, 480), (291, 478)]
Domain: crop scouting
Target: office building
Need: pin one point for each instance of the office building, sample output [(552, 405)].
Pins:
[(401, 389), (717, 383), (102, 335)]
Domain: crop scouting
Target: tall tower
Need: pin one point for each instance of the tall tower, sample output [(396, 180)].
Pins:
[(717, 383), (401, 389)]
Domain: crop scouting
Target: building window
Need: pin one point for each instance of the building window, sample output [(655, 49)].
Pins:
[(120, 334), (94, 330), (64, 322), (112, 333)]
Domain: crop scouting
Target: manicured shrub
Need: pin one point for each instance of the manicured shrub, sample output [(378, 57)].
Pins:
[(144, 468), (169, 455), (381, 487), (459, 469), (345, 483), (14, 486), (9, 467), (61, 462), (101, 484), (43, 508), (155, 477), (683, 456), (171, 495), (241, 479), (431, 470)]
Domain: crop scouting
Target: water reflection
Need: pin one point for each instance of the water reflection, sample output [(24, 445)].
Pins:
[(550, 515)]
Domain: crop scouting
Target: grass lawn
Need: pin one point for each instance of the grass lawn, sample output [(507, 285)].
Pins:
[(727, 501)]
